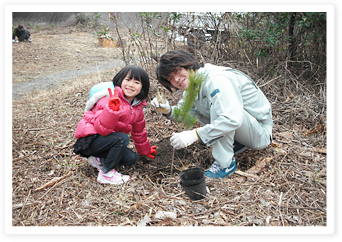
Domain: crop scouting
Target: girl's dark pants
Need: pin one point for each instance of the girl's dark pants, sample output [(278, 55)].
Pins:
[(112, 151)]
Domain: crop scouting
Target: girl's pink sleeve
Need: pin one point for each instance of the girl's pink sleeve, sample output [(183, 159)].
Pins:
[(105, 119), (139, 136)]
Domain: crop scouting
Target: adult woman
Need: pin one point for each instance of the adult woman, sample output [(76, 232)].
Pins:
[(232, 109)]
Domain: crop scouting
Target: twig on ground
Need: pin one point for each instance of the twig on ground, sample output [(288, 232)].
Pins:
[(53, 182)]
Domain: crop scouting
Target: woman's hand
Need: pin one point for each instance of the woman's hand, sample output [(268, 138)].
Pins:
[(183, 139), (114, 101), (164, 108)]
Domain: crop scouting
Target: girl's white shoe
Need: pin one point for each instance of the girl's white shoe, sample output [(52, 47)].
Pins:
[(95, 162), (112, 177)]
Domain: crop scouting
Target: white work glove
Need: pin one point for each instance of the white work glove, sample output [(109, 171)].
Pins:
[(183, 139), (161, 107)]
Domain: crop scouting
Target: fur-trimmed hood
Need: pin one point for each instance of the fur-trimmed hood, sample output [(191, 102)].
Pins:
[(104, 92)]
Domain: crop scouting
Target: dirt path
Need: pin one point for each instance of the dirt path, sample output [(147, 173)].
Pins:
[(57, 55), (51, 81)]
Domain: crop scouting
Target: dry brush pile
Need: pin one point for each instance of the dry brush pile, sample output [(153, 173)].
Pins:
[(282, 185)]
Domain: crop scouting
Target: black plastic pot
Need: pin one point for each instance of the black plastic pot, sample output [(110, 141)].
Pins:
[(193, 183)]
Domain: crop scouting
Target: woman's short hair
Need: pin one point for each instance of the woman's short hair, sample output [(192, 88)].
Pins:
[(137, 73), (172, 61)]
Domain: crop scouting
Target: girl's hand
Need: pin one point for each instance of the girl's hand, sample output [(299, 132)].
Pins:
[(153, 151), (114, 101)]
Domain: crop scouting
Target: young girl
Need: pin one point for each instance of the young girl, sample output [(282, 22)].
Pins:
[(109, 118)]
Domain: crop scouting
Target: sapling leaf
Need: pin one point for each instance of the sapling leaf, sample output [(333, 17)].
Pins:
[(183, 114)]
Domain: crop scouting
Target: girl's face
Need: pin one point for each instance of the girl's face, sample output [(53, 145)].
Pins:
[(180, 78), (130, 87)]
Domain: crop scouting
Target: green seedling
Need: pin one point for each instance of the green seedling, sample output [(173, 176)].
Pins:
[(183, 114)]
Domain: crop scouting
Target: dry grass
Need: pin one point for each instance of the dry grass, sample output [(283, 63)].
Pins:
[(287, 189)]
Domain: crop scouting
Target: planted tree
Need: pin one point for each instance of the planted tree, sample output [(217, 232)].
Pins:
[(183, 114)]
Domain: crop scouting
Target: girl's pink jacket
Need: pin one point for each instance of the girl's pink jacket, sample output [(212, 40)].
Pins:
[(100, 119)]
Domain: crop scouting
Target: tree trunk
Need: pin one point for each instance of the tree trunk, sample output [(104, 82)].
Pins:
[(292, 48)]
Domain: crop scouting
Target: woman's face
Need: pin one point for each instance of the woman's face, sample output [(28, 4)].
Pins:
[(180, 78), (130, 87)]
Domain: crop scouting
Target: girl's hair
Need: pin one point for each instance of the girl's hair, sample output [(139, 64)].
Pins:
[(137, 73), (172, 61)]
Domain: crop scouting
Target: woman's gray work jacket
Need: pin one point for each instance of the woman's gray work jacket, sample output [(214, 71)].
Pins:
[(221, 102)]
